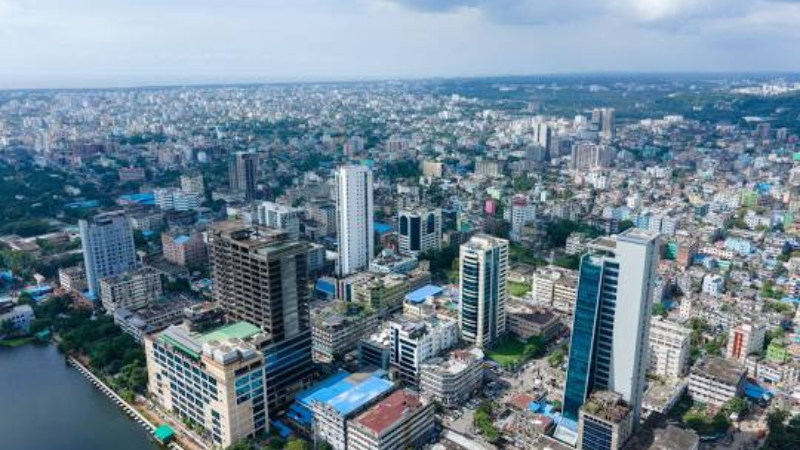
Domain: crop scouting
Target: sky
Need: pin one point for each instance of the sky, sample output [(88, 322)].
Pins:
[(98, 43)]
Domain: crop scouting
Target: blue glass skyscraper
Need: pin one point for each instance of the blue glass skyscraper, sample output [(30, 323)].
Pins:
[(612, 316)]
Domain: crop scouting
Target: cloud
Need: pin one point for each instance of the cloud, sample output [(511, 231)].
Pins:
[(659, 13)]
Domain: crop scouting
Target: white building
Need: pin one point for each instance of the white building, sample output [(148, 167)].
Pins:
[(20, 316), (131, 290), (168, 199), (108, 248), (714, 380), (669, 348), (454, 379), (713, 284), (484, 289), (520, 213), (355, 212), (412, 342), (282, 217)]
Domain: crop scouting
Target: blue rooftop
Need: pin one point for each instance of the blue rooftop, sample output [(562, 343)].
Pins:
[(423, 293), (147, 198), (345, 392), (383, 228), (182, 239), (326, 286)]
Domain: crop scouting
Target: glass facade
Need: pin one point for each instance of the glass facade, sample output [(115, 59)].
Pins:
[(579, 374)]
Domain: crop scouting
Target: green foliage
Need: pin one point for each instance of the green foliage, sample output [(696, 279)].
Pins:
[(736, 405), (112, 353), (559, 231), (778, 307), (518, 289), (659, 309), (297, 444), (556, 358), (401, 169), (524, 255), (27, 227), (244, 444), (572, 262), (483, 422), (782, 435), (441, 261)]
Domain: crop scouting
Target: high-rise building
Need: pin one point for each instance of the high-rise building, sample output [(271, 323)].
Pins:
[(282, 217), (520, 213), (612, 317), (243, 174), (354, 222), (260, 276), (420, 230), (484, 289), (108, 248), (213, 380), (587, 156)]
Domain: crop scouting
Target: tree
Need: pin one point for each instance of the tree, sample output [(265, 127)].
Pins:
[(297, 444), (244, 444)]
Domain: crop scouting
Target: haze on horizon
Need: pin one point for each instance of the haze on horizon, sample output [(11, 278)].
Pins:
[(99, 43)]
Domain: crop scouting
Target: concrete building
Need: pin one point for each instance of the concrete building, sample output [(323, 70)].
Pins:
[(282, 217), (374, 350), (108, 248), (453, 379), (260, 276), (325, 407), (669, 348), (746, 339), (587, 156), (193, 184), (72, 279), (609, 344), (401, 420), (556, 287), (412, 342), (150, 319), (605, 422), (420, 230), (383, 293), (336, 329), (525, 322), (243, 174), (484, 289), (168, 199), (131, 290), (519, 213), (213, 380), (714, 381), (355, 228), (184, 248), (19, 316)]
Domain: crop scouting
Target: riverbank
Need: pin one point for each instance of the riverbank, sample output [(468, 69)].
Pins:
[(129, 409)]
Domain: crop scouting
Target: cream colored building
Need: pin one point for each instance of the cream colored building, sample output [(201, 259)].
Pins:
[(214, 380), (669, 348)]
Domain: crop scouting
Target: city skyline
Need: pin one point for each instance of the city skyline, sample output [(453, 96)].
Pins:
[(113, 44)]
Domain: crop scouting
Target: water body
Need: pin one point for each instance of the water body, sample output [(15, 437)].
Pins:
[(46, 404)]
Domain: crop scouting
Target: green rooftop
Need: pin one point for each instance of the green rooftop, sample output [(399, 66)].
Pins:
[(164, 434), (240, 330)]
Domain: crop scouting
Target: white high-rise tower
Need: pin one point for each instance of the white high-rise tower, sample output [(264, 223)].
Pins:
[(354, 211), (484, 289), (108, 248)]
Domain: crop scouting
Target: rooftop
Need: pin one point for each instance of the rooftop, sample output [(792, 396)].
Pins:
[(346, 392), (606, 405), (722, 370), (389, 411), (422, 294)]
